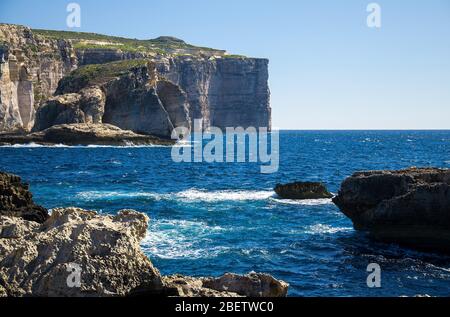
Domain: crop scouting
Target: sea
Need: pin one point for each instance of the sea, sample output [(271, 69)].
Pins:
[(211, 218)]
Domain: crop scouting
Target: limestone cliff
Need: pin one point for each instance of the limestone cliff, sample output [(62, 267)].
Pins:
[(191, 82), (30, 69)]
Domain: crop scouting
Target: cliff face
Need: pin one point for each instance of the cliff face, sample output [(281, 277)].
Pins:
[(188, 83), (225, 92), (30, 69)]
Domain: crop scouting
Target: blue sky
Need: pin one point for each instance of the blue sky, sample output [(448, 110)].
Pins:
[(328, 70)]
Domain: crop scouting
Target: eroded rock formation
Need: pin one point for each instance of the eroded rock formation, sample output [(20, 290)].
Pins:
[(86, 106), (37, 260), (193, 83), (30, 69), (410, 207)]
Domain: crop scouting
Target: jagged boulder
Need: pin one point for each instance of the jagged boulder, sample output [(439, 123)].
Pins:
[(410, 207), (251, 285), (16, 200), (38, 259), (228, 285), (302, 190), (87, 106)]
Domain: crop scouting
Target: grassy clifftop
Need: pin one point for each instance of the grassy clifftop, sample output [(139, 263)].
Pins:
[(160, 45)]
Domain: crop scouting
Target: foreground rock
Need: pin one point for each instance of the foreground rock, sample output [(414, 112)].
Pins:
[(83, 134), (17, 201), (37, 260), (303, 190), (410, 207), (233, 285)]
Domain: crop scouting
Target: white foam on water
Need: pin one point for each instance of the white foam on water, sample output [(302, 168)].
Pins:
[(178, 239), (99, 195), (91, 146), (197, 195), (304, 202), (32, 145), (326, 229), (223, 195)]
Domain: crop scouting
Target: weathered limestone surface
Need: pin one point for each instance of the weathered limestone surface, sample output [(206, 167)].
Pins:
[(30, 69), (87, 106), (37, 259)]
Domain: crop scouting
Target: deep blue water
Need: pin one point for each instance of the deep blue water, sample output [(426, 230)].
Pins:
[(207, 219)]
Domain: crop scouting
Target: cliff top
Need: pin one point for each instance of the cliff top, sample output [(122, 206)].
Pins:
[(161, 45)]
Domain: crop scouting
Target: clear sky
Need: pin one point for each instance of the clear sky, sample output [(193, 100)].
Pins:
[(328, 70)]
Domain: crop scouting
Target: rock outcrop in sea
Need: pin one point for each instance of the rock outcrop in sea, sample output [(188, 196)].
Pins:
[(302, 190), (80, 253), (17, 201), (148, 86), (409, 207)]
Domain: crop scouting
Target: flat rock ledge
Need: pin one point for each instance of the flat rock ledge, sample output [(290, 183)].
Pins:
[(83, 134), (79, 253), (302, 191), (409, 207)]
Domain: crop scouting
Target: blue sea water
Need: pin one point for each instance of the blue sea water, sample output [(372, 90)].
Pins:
[(207, 219)]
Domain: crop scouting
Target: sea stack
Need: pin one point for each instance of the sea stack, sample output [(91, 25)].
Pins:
[(409, 207)]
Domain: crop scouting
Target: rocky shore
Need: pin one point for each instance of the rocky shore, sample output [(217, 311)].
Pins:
[(75, 252), (83, 134), (410, 207)]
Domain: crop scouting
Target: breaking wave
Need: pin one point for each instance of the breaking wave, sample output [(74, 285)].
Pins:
[(196, 195), (178, 239)]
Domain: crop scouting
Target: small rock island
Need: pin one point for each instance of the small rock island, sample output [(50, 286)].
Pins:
[(302, 190)]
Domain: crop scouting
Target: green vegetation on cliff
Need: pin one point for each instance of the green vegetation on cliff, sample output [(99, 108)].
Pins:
[(99, 73), (161, 45)]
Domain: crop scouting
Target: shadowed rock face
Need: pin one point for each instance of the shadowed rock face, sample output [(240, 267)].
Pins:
[(303, 190), (224, 92), (410, 207), (16, 200)]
